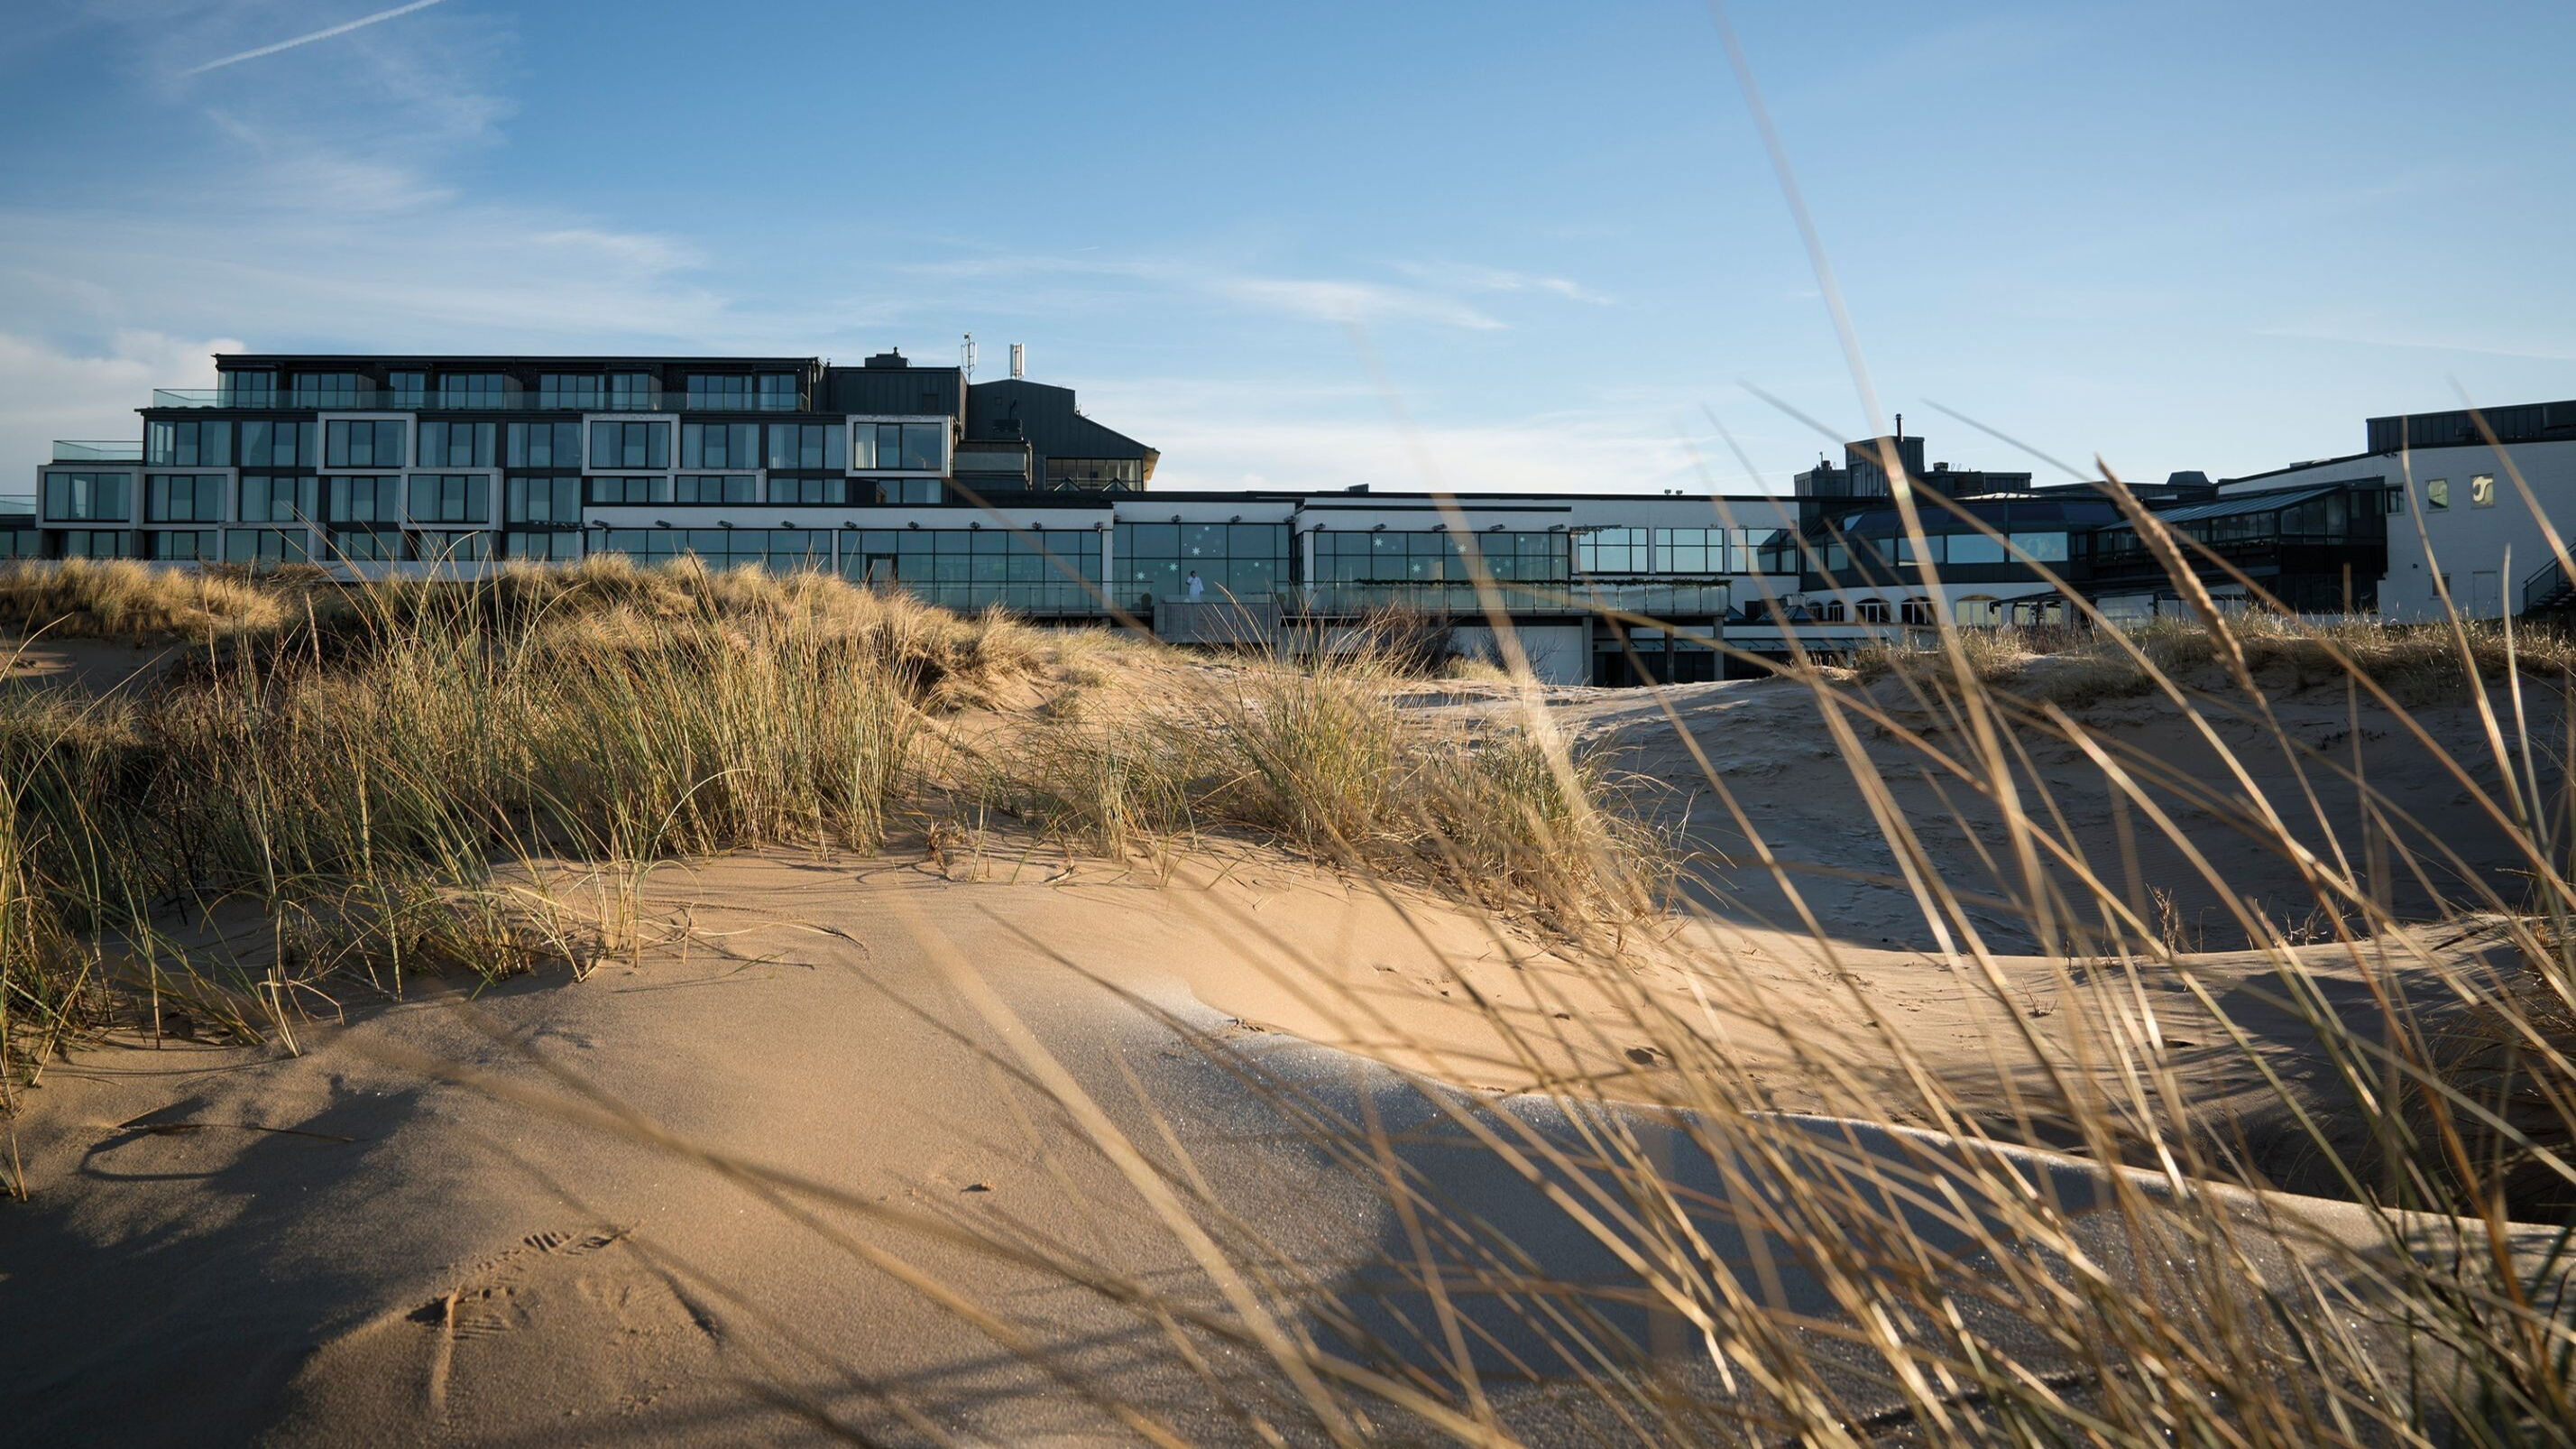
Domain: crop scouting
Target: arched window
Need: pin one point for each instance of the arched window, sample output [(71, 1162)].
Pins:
[(1833, 611), (1873, 611), (1917, 611), (1978, 611)]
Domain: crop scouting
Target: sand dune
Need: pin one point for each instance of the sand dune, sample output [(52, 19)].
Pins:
[(417, 1231), (803, 1170)]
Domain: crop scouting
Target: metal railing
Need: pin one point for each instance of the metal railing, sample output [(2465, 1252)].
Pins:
[(2544, 586), (1657, 600), (96, 450), (380, 400)]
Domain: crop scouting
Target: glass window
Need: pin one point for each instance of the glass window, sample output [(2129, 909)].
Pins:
[(97, 543), (555, 500), (362, 500), (778, 392), (363, 542), (362, 444), (909, 490), (719, 390), (1873, 611), (89, 496), (2482, 490), (719, 445), (2437, 494), (456, 445), (248, 389), (451, 498), (568, 390), (805, 446), (630, 445), (631, 392), (546, 545), (406, 389), (184, 498), (281, 445), (544, 445), (911, 447), (1615, 550), (814, 490), (1154, 560), (196, 444), (1096, 474), (2040, 547), (1975, 548), (473, 390), (1916, 611), (269, 499), (451, 547), (925, 447), (264, 545), (330, 390), (630, 490), (717, 488), (180, 544)]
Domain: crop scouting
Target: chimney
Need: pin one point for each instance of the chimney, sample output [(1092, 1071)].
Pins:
[(1019, 359)]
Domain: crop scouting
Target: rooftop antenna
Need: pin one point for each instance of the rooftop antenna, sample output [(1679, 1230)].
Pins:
[(1019, 359), (966, 357), (1900, 417)]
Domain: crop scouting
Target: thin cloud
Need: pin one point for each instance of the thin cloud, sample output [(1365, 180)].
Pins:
[(341, 29)]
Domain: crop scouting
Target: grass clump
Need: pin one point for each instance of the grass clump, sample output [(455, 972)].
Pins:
[(384, 783), (127, 599), (1318, 755)]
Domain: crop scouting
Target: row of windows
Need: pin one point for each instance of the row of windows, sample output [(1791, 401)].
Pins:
[(443, 497), (1155, 560), (409, 388), (1952, 550), (378, 443), (89, 496), (1666, 551), (1438, 556)]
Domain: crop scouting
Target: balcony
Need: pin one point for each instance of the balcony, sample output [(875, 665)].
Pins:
[(78, 450), (381, 401)]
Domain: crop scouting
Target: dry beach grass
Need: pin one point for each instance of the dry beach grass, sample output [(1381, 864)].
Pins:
[(1586, 1111)]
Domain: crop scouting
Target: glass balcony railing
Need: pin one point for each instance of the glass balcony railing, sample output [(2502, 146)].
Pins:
[(385, 401), (78, 450), (1559, 597)]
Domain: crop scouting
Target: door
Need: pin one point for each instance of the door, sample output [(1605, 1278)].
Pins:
[(2486, 593)]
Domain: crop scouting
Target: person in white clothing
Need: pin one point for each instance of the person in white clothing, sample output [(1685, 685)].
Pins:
[(1196, 589)]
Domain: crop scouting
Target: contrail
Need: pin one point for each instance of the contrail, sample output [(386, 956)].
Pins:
[(342, 29)]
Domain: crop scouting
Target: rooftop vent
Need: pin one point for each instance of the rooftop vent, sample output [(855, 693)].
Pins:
[(888, 358)]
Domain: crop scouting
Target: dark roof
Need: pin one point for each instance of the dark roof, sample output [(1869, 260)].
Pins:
[(2245, 503), (1046, 418), (2294, 468)]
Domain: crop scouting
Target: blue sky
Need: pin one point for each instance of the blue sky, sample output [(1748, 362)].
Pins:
[(1503, 245)]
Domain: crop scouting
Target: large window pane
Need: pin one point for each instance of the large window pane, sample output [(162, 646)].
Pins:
[(630, 445), (925, 446)]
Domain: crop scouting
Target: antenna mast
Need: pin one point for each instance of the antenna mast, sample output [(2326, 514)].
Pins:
[(966, 357)]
